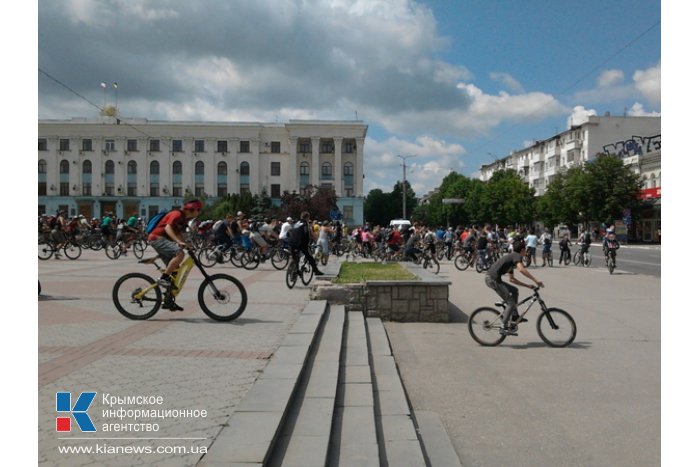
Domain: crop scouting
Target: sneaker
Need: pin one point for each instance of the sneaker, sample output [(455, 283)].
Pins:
[(165, 281), (515, 318), (318, 273), (511, 330), (174, 307)]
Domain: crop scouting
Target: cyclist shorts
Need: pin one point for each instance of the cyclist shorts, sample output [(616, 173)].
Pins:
[(166, 248)]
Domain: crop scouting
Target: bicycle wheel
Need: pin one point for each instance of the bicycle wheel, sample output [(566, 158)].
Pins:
[(611, 265), (567, 258), (250, 260), (559, 330), (291, 276), (577, 258), (527, 260), (208, 257), (222, 297), (479, 266), (550, 261), (461, 262), (307, 273), (45, 251), (113, 250), (72, 251), (137, 296), (485, 325), (237, 257), (279, 259), (139, 248)]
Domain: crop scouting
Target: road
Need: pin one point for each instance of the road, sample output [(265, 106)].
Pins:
[(637, 259), (596, 403)]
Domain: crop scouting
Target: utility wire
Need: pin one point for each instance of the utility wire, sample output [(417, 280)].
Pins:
[(573, 85)]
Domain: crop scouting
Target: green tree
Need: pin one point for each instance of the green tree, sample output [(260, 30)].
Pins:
[(612, 188), (375, 207), (508, 199)]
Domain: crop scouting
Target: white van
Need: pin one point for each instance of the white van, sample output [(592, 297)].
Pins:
[(399, 222)]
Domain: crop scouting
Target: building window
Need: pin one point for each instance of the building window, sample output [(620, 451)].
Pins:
[(131, 145), (245, 146), (275, 191), (87, 167), (42, 188), (131, 168), (110, 146), (87, 189), (42, 166), (64, 189), (199, 168), (349, 148), (326, 171), (222, 146), (64, 167), (199, 179), (303, 174), (275, 169), (177, 190), (245, 168), (275, 147), (43, 145), (109, 167), (64, 145), (347, 214), (154, 145), (155, 168), (347, 169), (199, 145), (177, 168), (304, 147), (87, 145), (222, 169), (327, 147), (177, 145)]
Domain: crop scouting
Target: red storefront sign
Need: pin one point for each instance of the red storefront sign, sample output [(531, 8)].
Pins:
[(649, 193)]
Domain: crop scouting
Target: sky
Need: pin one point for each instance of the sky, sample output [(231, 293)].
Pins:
[(454, 83)]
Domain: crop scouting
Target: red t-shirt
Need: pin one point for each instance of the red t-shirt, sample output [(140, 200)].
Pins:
[(176, 218)]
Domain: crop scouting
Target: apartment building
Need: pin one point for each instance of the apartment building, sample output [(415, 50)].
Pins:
[(91, 167), (635, 140)]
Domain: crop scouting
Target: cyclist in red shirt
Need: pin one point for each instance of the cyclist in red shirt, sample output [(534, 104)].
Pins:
[(168, 241)]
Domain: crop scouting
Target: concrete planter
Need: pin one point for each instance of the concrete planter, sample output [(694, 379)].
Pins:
[(422, 300)]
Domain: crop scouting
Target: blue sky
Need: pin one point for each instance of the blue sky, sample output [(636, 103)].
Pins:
[(455, 83)]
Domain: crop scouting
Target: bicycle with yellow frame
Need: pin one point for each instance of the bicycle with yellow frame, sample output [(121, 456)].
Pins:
[(139, 296)]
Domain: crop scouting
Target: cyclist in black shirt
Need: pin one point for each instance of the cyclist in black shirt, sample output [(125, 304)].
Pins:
[(506, 265)]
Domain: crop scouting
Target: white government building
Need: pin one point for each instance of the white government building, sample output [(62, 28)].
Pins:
[(635, 140), (127, 166)]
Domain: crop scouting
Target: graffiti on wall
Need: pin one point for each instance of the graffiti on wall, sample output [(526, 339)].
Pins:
[(635, 146)]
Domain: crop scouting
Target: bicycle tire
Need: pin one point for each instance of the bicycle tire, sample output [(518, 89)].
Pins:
[(223, 291), (208, 257), (550, 260), (432, 264), (46, 251), (72, 251), (113, 251), (586, 260), (561, 337), (479, 267), (527, 260), (485, 326), (307, 273), (291, 275), (461, 262), (567, 259), (250, 260), (123, 295), (577, 258), (279, 259), (139, 248), (611, 265), (237, 257)]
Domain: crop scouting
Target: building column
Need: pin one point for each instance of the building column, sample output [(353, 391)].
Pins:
[(293, 183), (359, 176), (235, 187), (255, 166), (338, 167), (315, 165)]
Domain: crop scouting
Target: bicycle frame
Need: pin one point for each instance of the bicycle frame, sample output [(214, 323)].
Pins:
[(179, 276), (535, 297)]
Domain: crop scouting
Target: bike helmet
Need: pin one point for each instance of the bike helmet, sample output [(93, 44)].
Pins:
[(194, 205)]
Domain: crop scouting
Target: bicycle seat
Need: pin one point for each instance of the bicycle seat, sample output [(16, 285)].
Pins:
[(149, 260)]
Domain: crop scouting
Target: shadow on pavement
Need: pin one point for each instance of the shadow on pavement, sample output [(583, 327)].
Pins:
[(535, 345), (45, 298), (455, 314)]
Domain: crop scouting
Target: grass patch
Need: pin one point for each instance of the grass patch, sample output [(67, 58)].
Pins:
[(360, 272)]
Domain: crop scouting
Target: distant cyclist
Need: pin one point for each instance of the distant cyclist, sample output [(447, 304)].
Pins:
[(531, 241), (506, 265)]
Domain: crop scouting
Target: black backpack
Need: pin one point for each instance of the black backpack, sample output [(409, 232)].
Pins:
[(295, 236)]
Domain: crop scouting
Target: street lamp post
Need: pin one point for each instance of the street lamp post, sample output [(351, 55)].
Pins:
[(404, 181)]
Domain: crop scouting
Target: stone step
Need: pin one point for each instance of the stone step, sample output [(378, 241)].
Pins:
[(305, 436), (253, 428)]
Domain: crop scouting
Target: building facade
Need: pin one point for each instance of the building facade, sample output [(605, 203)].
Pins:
[(131, 166), (635, 140)]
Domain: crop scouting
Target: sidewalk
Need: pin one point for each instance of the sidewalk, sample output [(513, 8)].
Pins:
[(186, 360)]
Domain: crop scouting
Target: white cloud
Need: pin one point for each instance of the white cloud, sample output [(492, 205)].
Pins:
[(579, 115), (648, 82), (507, 80), (637, 110), (610, 77)]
